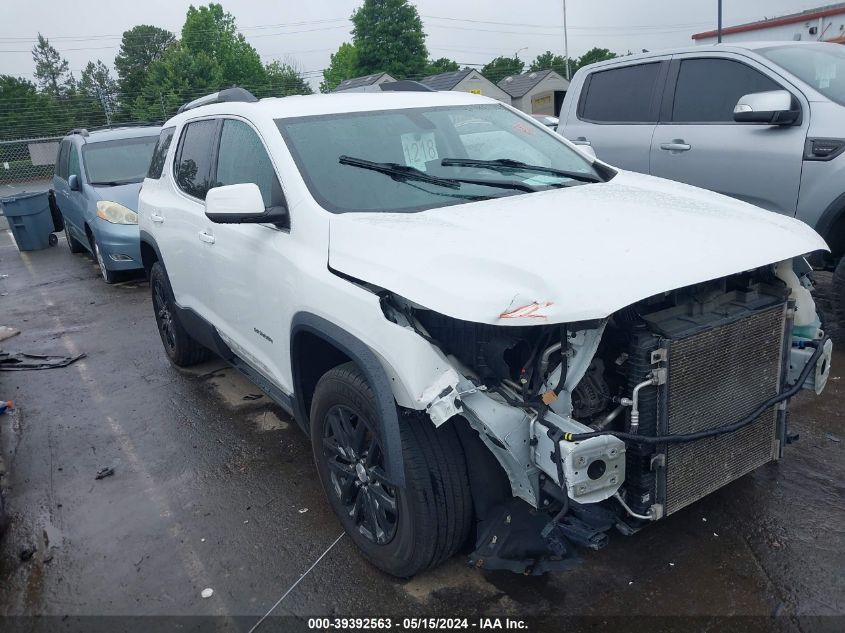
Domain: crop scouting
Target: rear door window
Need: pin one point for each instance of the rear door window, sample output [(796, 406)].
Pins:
[(195, 158), (160, 153), (621, 95), (243, 159), (707, 90)]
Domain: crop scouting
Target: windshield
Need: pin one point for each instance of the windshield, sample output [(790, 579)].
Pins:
[(420, 158), (118, 162), (822, 66)]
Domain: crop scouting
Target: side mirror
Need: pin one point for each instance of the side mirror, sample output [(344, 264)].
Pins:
[(73, 182), (584, 145), (241, 204), (772, 108)]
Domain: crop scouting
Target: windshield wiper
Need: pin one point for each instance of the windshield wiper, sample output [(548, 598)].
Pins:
[(507, 165), (398, 172), (405, 172)]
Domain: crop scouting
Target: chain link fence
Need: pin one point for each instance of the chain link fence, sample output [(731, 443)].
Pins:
[(28, 159)]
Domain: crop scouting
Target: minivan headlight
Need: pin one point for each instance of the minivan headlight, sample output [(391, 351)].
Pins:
[(116, 213)]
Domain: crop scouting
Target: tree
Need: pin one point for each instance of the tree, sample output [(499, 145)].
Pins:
[(283, 79), (595, 55), (97, 83), (442, 65), (51, 69), (550, 61), (343, 64), (212, 31), (140, 47), (501, 67), (24, 111), (388, 35)]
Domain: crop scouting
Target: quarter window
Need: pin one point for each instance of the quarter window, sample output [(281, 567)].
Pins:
[(61, 160), (243, 159), (193, 165), (621, 95), (160, 153), (708, 89)]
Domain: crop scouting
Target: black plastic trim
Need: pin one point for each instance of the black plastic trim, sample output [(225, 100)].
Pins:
[(369, 364), (808, 148)]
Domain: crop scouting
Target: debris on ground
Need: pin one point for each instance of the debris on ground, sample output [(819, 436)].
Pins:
[(303, 510), (6, 405), (106, 471), (7, 332), (20, 361), (832, 437), (27, 552), (207, 592), (253, 396)]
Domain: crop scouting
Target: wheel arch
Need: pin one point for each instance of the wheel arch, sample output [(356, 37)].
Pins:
[(150, 253), (831, 226), (316, 345)]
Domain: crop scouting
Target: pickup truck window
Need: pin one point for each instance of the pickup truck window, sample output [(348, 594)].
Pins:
[(418, 140), (620, 95), (821, 66), (708, 89)]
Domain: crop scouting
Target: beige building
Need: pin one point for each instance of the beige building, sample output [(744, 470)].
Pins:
[(466, 80), (539, 92)]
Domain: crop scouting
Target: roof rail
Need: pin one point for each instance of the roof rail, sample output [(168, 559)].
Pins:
[(405, 85), (78, 130), (223, 96)]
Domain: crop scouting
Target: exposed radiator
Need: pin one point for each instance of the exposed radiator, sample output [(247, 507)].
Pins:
[(716, 377)]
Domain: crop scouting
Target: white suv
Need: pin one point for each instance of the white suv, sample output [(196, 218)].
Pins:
[(488, 334)]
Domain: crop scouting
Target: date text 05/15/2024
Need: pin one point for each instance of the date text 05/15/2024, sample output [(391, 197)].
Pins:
[(416, 624)]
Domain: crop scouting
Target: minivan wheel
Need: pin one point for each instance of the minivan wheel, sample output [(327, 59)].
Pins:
[(72, 244), (182, 350), (109, 276), (400, 531)]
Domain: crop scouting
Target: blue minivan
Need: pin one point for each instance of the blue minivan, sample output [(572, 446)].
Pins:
[(95, 186)]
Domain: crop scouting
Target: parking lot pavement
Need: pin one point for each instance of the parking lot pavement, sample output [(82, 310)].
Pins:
[(214, 488)]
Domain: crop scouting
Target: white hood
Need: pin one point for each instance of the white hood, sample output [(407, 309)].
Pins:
[(563, 255)]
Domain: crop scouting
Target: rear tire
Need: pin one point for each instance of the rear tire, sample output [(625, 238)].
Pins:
[(72, 244), (418, 526), (181, 349)]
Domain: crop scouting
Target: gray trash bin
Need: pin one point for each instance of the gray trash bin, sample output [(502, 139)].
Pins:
[(30, 220)]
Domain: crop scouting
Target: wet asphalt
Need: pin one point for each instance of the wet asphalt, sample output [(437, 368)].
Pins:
[(214, 487)]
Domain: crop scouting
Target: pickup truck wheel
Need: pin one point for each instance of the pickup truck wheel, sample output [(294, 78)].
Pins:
[(400, 531), (839, 298), (182, 350)]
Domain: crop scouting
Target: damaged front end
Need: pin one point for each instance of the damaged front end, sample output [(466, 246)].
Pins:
[(621, 421)]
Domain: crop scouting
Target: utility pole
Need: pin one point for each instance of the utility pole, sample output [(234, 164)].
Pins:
[(566, 40), (719, 25)]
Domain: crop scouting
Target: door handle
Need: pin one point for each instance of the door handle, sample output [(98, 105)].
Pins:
[(208, 238), (155, 217), (677, 145), (581, 140)]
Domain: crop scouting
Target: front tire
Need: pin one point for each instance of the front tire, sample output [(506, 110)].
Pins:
[(839, 298), (400, 531), (109, 276), (182, 350)]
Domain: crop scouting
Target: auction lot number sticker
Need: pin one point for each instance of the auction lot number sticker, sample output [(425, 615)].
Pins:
[(419, 149), (417, 624)]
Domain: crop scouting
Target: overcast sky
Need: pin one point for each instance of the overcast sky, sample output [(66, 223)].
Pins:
[(470, 32)]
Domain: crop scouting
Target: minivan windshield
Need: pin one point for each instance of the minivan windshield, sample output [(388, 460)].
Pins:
[(118, 161), (420, 158), (822, 66)]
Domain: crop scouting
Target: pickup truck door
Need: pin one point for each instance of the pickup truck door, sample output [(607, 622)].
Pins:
[(698, 142), (616, 112)]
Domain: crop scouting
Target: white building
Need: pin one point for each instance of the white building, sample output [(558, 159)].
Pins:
[(825, 24), (466, 80), (536, 92)]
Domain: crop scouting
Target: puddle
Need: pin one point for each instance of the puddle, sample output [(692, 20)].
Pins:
[(269, 421), (236, 390)]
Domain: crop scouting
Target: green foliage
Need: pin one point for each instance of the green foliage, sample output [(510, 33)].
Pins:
[(23, 110), (550, 61), (51, 69), (140, 47), (441, 65), (97, 83), (388, 35), (501, 67), (343, 65), (282, 80), (595, 55)]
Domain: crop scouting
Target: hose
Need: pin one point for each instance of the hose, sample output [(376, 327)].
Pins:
[(729, 428)]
